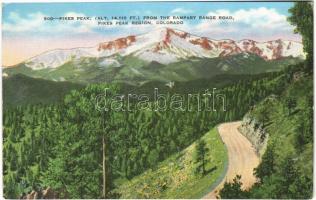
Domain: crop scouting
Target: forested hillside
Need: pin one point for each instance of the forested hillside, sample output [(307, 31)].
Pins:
[(23, 90), (64, 146), (286, 169)]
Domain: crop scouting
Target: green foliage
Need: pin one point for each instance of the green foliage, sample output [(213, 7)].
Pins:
[(302, 18), (233, 190), (27, 146), (77, 162), (12, 189), (153, 157), (267, 166), (290, 104), (23, 90), (201, 155), (287, 182), (175, 177)]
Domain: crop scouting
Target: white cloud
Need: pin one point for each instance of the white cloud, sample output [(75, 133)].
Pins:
[(34, 22), (181, 11), (256, 23), (20, 24)]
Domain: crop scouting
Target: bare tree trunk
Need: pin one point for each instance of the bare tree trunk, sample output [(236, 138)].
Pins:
[(104, 166)]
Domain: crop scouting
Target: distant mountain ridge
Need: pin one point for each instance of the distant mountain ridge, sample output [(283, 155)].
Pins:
[(165, 46)]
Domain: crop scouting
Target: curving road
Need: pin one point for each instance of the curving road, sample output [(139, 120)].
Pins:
[(242, 158)]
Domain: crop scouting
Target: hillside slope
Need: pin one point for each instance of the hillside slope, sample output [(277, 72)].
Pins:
[(175, 178), (286, 170), (23, 90)]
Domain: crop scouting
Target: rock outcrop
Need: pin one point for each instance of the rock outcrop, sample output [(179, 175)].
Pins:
[(253, 131)]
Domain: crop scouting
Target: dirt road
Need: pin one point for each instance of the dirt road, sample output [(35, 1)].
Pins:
[(242, 158)]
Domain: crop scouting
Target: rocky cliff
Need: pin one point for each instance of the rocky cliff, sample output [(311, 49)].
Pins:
[(253, 130)]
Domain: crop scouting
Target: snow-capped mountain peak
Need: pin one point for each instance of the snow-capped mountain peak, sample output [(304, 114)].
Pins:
[(166, 45)]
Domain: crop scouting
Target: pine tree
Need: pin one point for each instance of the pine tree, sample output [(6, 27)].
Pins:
[(201, 157), (233, 190), (267, 165)]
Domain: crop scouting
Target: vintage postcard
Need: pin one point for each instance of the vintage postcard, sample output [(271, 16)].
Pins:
[(158, 100)]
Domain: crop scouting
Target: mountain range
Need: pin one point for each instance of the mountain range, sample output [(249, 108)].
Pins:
[(164, 55)]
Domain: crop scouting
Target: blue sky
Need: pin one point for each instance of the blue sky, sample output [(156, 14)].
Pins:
[(14, 13), (131, 7), (23, 22)]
